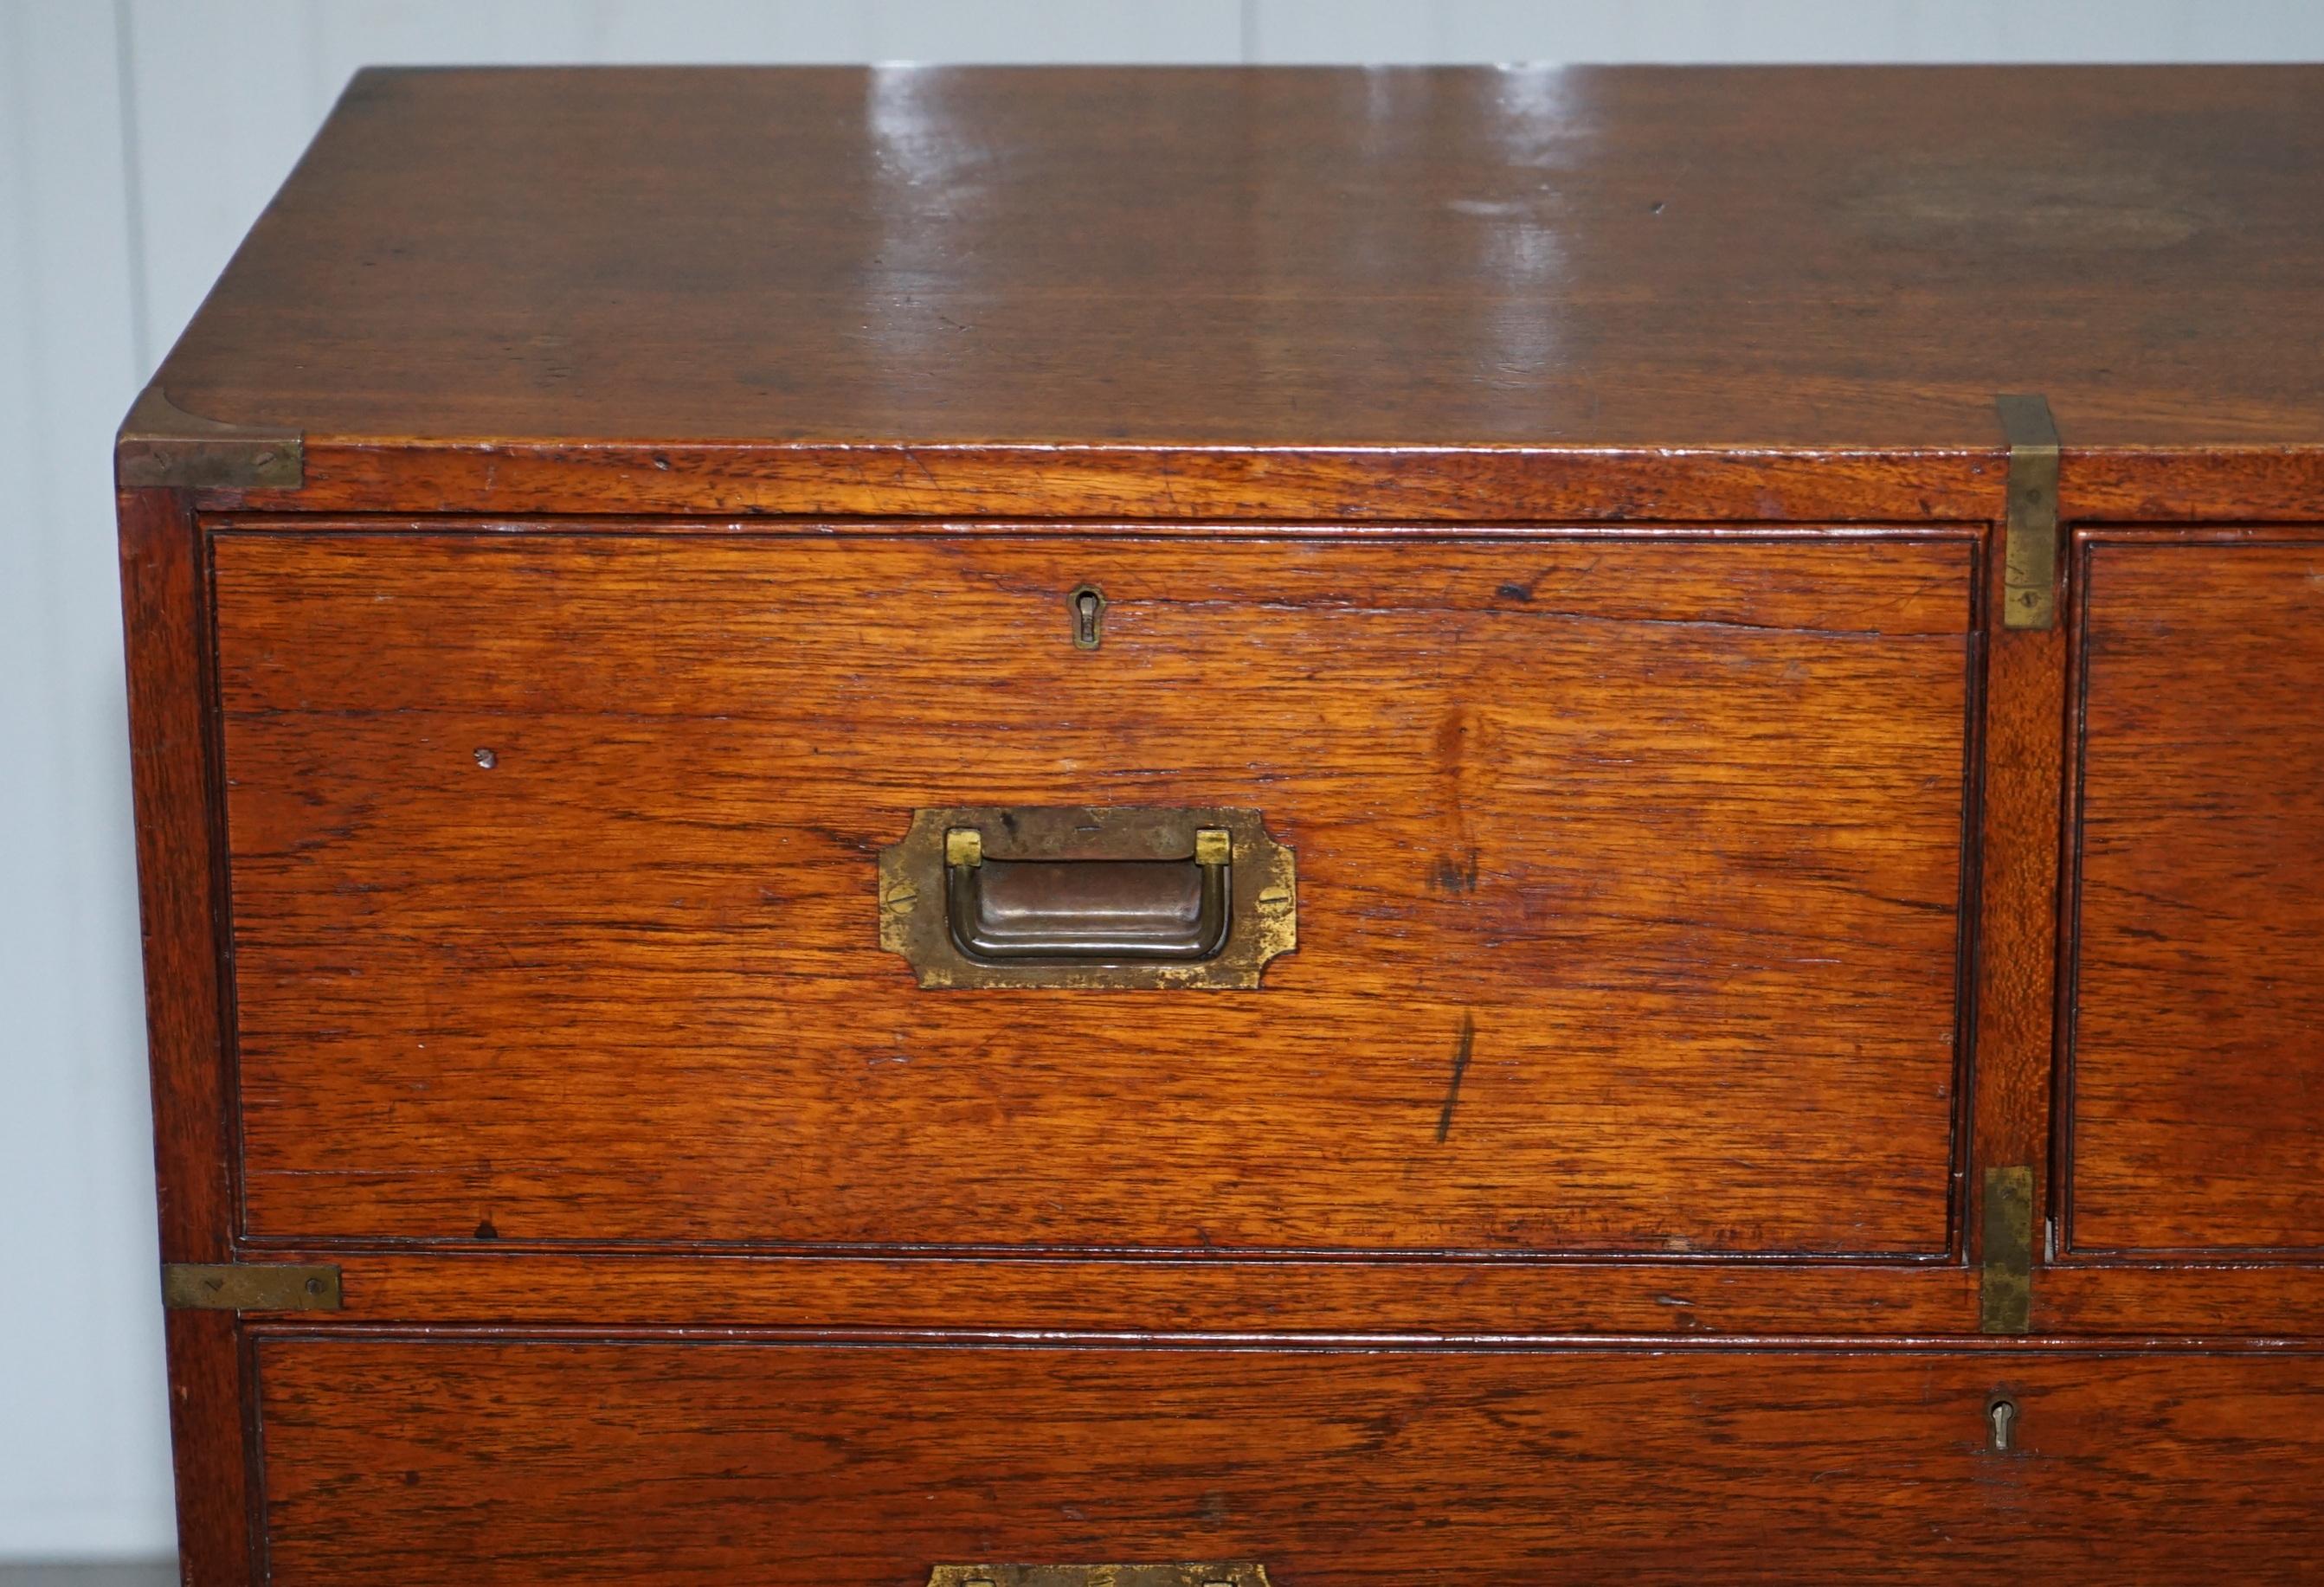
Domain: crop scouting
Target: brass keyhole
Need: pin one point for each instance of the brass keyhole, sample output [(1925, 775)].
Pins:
[(2003, 1415), (1088, 607)]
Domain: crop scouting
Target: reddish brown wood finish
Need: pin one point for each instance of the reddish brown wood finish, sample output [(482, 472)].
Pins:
[(1238, 258), (181, 874), (2018, 876), (180, 870), (1461, 1299), (1372, 486), (2184, 1299), (209, 1395), (1654, 845), (2197, 1121), (1407, 294), (1452, 484), (474, 1461), (1001, 327)]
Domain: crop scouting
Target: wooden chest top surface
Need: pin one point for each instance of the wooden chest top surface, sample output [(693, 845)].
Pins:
[(1414, 258)]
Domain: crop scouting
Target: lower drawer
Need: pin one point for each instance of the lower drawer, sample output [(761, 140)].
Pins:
[(451, 1458)]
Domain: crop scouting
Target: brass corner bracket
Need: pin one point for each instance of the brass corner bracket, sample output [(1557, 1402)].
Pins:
[(2030, 553), (162, 445)]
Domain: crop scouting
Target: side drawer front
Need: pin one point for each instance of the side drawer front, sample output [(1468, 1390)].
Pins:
[(1628, 875), (2195, 1117), (405, 1462)]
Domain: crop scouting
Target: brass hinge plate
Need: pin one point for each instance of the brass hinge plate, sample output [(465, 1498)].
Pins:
[(249, 1286), (161, 445), (2029, 551), (1243, 1575), (2006, 1296)]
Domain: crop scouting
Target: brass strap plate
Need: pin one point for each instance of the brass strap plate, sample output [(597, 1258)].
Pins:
[(249, 1286), (1195, 1575), (2005, 1298), (2030, 553)]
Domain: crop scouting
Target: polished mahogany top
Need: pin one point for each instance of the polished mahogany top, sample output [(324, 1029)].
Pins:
[(1261, 257)]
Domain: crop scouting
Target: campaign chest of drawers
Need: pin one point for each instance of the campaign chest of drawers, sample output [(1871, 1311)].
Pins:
[(1129, 826)]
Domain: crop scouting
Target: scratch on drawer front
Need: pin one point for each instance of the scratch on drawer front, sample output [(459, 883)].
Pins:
[(1461, 1051)]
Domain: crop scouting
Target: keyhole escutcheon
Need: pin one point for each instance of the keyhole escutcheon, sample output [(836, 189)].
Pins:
[(1087, 604), (2001, 1415)]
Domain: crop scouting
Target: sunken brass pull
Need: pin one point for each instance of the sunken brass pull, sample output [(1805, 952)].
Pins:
[(1087, 897), (1243, 1575), (1106, 909)]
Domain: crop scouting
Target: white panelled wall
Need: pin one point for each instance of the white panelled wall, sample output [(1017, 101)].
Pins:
[(138, 139)]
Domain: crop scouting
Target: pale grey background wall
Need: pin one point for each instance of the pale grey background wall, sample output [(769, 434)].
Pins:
[(138, 139)]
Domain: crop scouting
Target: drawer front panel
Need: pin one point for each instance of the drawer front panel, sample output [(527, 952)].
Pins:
[(2197, 1106), (471, 1461), (1628, 882)]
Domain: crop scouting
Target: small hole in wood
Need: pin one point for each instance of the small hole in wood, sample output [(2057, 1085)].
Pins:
[(487, 759)]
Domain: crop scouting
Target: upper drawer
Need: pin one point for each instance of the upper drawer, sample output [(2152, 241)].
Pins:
[(1629, 876), (2196, 1100)]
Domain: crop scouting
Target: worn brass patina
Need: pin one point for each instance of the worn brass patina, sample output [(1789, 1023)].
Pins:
[(1087, 604), (1089, 898), (249, 1286), (2030, 579), (163, 445), (2006, 1299)]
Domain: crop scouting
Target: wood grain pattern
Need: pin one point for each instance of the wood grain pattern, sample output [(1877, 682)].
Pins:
[(696, 466), (1675, 824), (1613, 257), (2182, 1299), (1384, 295), (479, 1460), (181, 886), (181, 868), (2021, 763), (495, 1283), (1184, 485), (210, 1395), (2197, 1081), (1466, 484)]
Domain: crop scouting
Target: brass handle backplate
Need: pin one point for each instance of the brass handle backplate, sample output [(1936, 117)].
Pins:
[(1090, 898), (1196, 1576)]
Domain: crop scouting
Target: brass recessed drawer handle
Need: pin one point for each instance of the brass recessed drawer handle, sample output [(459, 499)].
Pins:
[(1128, 909), (1195, 1575), (1088, 898)]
